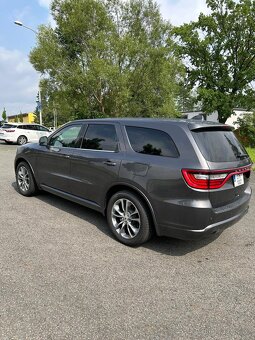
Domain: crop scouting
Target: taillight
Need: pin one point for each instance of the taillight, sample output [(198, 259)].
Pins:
[(205, 180), (9, 130)]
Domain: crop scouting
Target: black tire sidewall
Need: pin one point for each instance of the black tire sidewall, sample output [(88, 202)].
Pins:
[(32, 186), (145, 229)]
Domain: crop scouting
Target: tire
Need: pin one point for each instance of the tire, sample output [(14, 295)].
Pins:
[(22, 140), (128, 218), (25, 180)]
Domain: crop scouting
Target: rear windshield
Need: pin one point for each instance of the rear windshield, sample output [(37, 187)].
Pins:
[(219, 145)]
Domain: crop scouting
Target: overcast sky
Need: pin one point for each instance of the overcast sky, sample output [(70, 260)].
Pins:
[(19, 81)]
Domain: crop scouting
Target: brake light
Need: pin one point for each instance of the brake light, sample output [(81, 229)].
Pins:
[(205, 180), (9, 130)]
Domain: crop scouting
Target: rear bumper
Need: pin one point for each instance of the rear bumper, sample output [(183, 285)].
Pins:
[(195, 234), (219, 219), (8, 138)]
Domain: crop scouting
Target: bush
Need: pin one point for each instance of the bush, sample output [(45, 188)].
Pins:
[(246, 131)]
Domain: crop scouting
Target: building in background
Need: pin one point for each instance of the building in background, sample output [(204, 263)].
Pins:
[(213, 117), (27, 118)]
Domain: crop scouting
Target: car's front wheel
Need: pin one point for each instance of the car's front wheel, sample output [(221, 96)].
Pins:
[(25, 180), (22, 140), (128, 218)]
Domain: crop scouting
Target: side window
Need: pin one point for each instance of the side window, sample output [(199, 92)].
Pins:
[(67, 138), (100, 137), (20, 127), (42, 128), (151, 142)]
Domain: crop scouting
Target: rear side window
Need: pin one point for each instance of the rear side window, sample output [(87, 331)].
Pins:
[(101, 137), (32, 127), (219, 145), (8, 126), (151, 142)]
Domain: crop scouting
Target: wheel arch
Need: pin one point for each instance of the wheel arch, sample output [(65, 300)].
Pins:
[(21, 159), (121, 187)]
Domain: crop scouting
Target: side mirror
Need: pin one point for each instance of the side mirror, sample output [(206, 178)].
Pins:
[(43, 141)]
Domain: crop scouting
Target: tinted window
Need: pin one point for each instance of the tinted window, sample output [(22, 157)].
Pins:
[(68, 137), (7, 126), (42, 128), (100, 137), (219, 145), (32, 127), (151, 142)]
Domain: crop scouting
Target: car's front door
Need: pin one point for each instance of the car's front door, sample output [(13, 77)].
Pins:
[(53, 161), (42, 131), (95, 166)]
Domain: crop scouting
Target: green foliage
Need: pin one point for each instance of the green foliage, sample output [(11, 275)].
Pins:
[(37, 115), (251, 152), (247, 129), (4, 115), (16, 119), (20, 118), (106, 58), (219, 50)]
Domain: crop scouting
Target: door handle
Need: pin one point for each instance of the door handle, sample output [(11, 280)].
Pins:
[(110, 163), (55, 149)]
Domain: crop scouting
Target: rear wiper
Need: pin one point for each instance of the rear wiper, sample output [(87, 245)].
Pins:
[(242, 155)]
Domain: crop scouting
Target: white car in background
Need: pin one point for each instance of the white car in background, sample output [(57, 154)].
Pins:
[(22, 133)]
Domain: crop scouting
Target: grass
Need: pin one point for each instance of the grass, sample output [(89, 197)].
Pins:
[(251, 152)]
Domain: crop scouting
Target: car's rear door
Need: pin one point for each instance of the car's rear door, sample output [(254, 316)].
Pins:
[(53, 161), (95, 166), (30, 131)]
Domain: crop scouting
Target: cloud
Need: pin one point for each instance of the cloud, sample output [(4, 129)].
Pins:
[(182, 11), (45, 3), (19, 82)]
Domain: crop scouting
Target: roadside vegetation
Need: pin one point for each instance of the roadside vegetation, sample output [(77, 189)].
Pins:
[(111, 58), (251, 152)]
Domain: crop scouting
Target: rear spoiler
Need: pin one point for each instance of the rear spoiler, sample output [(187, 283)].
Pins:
[(207, 126)]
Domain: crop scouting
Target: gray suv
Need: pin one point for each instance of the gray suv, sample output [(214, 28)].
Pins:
[(177, 178)]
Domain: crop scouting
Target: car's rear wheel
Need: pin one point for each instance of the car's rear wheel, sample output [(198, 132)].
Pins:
[(22, 140), (129, 219), (25, 180)]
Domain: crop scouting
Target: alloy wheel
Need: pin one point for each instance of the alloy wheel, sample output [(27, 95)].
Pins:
[(22, 140), (126, 218), (23, 179)]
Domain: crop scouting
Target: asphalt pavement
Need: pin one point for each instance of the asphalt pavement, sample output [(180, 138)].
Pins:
[(63, 275)]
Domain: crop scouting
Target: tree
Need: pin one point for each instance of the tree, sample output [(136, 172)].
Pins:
[(16, 119), (20, 118), (247, 129), (107, 58), (219, 51), (4, 115)]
